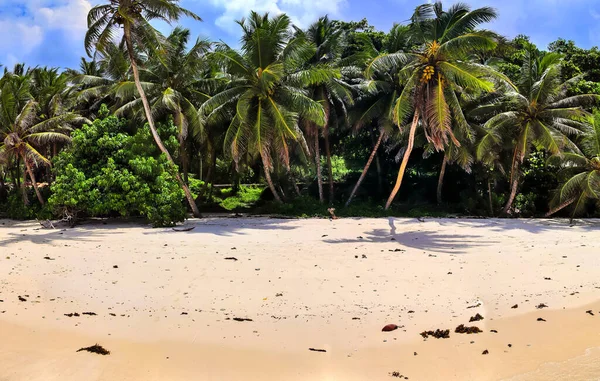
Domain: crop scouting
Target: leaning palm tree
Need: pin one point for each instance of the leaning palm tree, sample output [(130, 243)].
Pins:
[(133, 18), (377, 94), (174, 85), (435, 71), (582, 172), (266, 92), (540, 114), (23, 129)]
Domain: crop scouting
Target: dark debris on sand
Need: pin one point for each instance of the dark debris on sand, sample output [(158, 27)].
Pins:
[(316, 350), (475, 318), (241, 319), (438, 334), (98, 349), (398, 375), (468, 330)]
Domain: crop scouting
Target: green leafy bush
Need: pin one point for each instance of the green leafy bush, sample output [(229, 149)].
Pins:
[(108, 171)]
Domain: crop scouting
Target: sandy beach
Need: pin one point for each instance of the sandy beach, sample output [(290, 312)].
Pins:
[(168, 304)]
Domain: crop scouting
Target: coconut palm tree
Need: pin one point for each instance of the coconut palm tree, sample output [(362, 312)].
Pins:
[(133, 17), (24, 130), (540, 114), (267, 92), (377, 94), (334, 94), (98, 81), (174, 85), (582, 172), (435, 71)]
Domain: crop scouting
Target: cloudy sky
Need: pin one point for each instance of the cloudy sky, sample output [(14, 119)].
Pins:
[(50, 32)]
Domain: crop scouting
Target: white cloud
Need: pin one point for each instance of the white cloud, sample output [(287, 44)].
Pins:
[(302, 12), (25, 23), (71, 16)]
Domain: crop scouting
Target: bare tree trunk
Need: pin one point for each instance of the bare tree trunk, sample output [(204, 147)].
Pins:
[(33, 181), (318, 164), (378, 167), (490, 198), (329, 167), (365, 169), (441, 179), (560, 207), (514, 184), (24, 188), (409, 148), (147, 110), (293, 181), (268, 177)]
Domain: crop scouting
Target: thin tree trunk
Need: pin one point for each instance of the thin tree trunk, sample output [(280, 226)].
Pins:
[(365, 169), (560, 207), (329, 167), (379, 173), (33, 181), (200, 167), (318, 164), (293, 181), (441, 179), (24, 188), (409, 148), (147, 110), (514, 184), (212, 170), (490, 198), (268, 177)]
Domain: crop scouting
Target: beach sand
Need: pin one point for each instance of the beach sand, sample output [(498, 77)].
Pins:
[(165, 301)]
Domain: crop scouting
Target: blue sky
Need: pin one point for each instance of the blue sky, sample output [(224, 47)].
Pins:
[(50, 32)]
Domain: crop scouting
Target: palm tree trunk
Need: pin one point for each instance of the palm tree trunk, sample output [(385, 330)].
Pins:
[(490, 198), (365, 169), (33, 181), (294, 183), (147, 110), (268, 177), (330, 169), (24, 188), (441, 179), (514, 184), (560, 207), (409, 148), (318, 164)]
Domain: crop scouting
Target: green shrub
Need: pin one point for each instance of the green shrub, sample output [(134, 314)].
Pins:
[(107, 171), (246, 197)]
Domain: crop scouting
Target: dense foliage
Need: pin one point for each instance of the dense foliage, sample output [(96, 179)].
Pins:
[(439, 115), (107, 171)]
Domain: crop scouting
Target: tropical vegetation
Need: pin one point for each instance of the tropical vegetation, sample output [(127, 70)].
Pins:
[(454, 118)]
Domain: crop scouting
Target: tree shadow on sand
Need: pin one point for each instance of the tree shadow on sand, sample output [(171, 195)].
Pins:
[(225, 227), (422, 239)]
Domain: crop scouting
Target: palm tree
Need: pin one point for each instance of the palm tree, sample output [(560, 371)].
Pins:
[(266, 92), (378, 93), (24, 130), (582, 171), (99, 81), (334, 94), (540, 114), (133, 18), (173, 85), (435, 71)]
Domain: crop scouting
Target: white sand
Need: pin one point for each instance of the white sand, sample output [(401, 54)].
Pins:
[(339, 282)]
